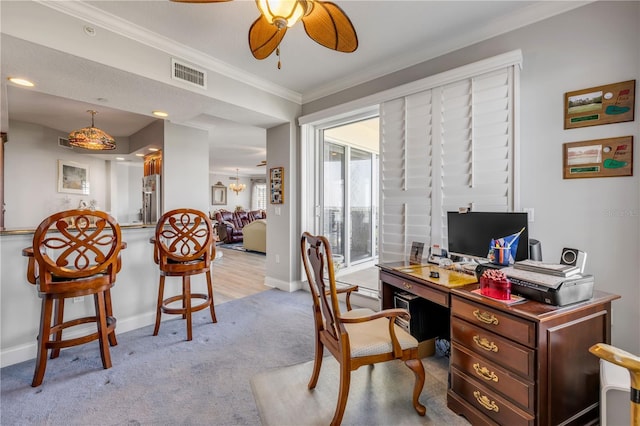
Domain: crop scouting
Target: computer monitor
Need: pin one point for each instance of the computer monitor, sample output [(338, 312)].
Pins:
[(470, 234)]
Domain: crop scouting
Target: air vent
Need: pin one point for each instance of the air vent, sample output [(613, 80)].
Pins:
[(188, 74), (64, 143)]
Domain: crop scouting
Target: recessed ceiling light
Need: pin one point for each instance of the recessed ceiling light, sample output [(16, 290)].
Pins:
[(21, 81), (160, 114), (120, 158), (139, 155), (153, 149)]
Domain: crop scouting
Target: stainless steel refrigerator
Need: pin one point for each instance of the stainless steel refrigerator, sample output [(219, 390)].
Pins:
[(151, 199)]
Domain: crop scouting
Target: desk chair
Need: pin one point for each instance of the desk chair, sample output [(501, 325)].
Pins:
[(184, 245), (75, 253), (357, 337), (632, 364)]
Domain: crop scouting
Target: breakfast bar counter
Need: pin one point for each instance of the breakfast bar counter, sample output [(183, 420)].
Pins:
[(134, 294)]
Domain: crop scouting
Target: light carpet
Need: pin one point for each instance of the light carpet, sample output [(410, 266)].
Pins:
[(164, 379), (378, 395)]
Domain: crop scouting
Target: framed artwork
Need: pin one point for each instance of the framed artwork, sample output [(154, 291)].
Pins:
[(611, 103), (73, 178), (276, 179), (598, 158), (218, 194)]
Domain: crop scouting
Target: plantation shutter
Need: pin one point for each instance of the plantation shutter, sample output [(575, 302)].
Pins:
[(446, 148), (406, 173)]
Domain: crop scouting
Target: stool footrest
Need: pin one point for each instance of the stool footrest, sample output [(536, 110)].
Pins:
[(180, 311), (56, 344)]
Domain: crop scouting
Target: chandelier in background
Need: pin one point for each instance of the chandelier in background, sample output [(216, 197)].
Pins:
[(236, 186), (91, 137)]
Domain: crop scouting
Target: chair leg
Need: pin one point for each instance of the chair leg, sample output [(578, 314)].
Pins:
[(418, 370), (317, 364), (186, 302), (43, 339), (159, 305), (58, 315), (101, 320), (210, 291), (107, 299), (343, 394)]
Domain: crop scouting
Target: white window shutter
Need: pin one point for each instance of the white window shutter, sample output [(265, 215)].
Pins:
[(406, 172), (448, 147)]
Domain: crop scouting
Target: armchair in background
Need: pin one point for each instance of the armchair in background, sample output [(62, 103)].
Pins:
[(229, 229), (255, 236)]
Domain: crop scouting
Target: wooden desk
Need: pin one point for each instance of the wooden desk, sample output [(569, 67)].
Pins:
[(525, 364)]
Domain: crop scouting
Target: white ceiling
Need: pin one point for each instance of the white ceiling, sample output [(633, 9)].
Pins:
[(392, 35)]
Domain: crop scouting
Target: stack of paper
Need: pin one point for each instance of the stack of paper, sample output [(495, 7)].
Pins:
[(558, 270)]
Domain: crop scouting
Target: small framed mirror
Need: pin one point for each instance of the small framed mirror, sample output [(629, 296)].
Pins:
[(218, 194)]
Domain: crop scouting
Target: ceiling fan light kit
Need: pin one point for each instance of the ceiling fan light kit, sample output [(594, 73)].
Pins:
[(324, 22)]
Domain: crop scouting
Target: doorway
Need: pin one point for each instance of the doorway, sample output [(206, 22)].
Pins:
[(348, 189)]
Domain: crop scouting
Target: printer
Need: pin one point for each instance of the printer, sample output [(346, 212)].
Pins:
[(545, 288)]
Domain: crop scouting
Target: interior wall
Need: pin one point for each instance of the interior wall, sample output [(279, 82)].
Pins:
[(31, 176), (592, 45), (185, 168)]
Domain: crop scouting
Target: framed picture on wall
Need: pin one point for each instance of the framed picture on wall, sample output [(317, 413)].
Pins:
[(598, 158), (611, 103), (218, 194), (276, 179), (73, 178)]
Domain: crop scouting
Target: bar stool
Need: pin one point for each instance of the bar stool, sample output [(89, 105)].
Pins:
[(184, 245), (75, 253)]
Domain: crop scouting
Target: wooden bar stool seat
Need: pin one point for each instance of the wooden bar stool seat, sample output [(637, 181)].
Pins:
[(184, 245), (75, 253)]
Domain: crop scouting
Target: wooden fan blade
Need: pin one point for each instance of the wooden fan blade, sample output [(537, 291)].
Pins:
[(328, 25), (199, 1), (264, 37)]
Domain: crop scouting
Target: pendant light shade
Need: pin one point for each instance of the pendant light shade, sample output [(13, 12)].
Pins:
[(91, 137)]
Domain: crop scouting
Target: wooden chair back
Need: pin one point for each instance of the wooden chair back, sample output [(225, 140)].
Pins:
[(75, 244), (319, 268), (184, 242)]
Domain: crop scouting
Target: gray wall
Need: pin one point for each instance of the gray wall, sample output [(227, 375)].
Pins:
[(590, 46)]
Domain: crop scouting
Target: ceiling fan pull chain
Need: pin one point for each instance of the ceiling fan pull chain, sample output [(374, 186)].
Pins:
[(278, 55)]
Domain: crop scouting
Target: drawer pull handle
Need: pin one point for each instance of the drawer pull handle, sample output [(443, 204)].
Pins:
[(486, 402), (486, 317), (485, 373), (407, 286), (485, 344)]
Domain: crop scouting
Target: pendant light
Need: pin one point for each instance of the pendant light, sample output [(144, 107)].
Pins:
[(91, 137)]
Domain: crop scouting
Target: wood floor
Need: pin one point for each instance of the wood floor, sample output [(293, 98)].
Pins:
[(237, 274)]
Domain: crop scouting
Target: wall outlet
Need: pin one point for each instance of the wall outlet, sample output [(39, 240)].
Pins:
[(277, 258)]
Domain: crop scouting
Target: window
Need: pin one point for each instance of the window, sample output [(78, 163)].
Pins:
[(259, 196)]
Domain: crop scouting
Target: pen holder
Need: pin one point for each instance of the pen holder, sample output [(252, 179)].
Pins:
[(496, 286), (501, 255)]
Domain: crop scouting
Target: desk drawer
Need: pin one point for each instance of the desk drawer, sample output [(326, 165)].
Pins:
[(426, 292), (504, 352), (506, 325), (489, 402), (494, 377)]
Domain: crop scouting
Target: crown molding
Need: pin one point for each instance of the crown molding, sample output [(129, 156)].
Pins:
[(533, 13), (108, 21)]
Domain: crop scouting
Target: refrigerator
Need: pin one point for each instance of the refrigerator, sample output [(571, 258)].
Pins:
[(151, 199)]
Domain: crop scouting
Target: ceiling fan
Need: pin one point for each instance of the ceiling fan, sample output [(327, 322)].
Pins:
[(323, 21), (262, 163)]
